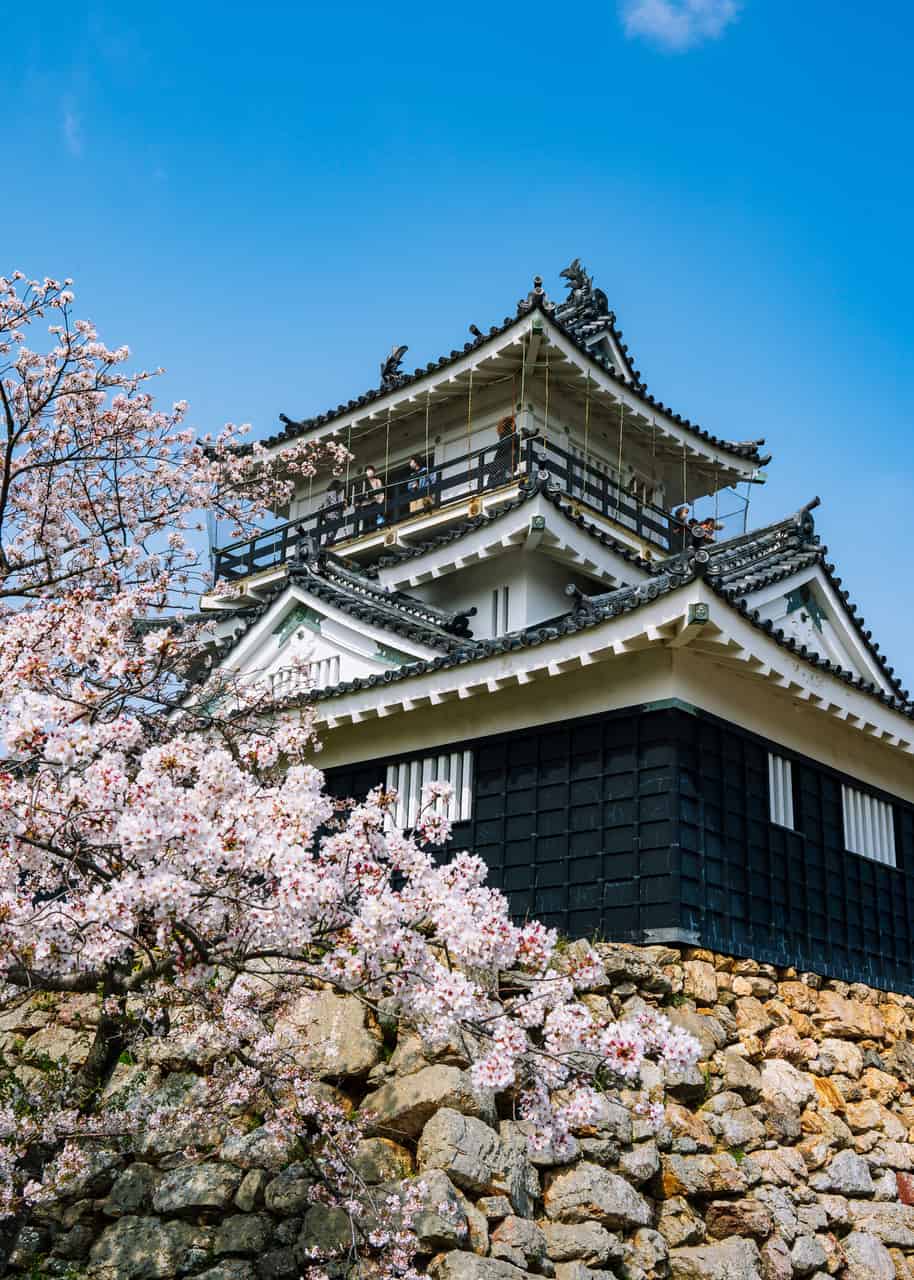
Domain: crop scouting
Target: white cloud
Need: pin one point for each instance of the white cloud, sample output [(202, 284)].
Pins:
[(72, 127), (677, 25)]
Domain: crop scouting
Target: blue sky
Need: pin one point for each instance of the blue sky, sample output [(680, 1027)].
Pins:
[(265, 198)]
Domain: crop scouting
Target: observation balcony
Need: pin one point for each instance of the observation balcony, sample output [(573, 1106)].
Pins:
[(410, 510)]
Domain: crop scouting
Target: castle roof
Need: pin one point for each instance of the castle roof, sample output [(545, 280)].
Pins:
[(584, 320), (738, 571)]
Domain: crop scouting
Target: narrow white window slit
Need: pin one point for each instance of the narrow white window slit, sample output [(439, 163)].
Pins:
[(780, 791), (409, 778), (869, 826)]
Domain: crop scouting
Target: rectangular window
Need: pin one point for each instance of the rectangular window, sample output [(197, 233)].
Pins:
[(869, 826), (500, 599), (408, 777), (780, 790)]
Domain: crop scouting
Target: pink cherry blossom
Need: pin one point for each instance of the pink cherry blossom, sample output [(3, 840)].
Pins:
[(168, 845)]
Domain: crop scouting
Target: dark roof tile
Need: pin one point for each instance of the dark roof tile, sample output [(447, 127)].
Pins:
[(733, 569)]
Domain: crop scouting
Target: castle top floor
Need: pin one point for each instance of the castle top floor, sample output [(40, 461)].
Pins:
[(560, 383)]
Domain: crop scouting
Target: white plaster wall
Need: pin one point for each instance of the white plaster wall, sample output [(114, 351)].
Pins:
[(537, 589), (474, 586)]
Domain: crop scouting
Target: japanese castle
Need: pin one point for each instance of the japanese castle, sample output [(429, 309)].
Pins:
[(538, 582)]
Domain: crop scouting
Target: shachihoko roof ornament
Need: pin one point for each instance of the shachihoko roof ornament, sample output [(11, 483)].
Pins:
[(390, 368)]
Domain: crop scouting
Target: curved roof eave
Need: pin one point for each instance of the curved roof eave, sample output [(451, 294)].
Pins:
[(411, 386)]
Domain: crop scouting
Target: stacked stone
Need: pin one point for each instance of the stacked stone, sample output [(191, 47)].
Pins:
[(787, 1152)]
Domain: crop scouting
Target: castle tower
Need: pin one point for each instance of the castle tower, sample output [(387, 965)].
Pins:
[(656, 729)]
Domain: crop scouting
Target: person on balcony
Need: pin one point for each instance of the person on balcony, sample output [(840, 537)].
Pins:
[(330, 512), (504, 460), (683, 528), (707, 529), (372, 501), (417, 485)]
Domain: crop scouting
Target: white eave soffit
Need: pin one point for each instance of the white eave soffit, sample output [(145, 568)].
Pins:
[(726, 637)]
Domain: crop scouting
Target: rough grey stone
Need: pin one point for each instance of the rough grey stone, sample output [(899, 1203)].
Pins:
[(807, 1255), (587, 1242), (735, 1259), (520, 1241), (184, 1050), (180, 1089), (783, 1083), (278, 1264), (847, 1175), (749, 1217), (259, 1149), (580, 1271), (60, 1044), (611, 1119), (459, 1265), (648, 1250), (866, 1258), (330, 1035), (439, 1214), (776, 1264), (288, 1192), (522, 1180), (469, 1151), (402, 1107), (494, 1207), (230, 1269), (380, 1160), (812, 1218), (590, 1192), (243, 1233), (75, 1243), (624, 964), (885, 1186), (201, 1186), (640, 1163), (132, 1191), (95, 1177), (782, 1210), (542, 1155), (250, 1190), (893, 1224), (707, 1030), (143, 1249), (701, 1175), (441, 1221), (477, 1159), (477, 1226), (740, 1076), (325, 1232), (685, 1085), (732, 1122), (679, 1224), (599, 1150)]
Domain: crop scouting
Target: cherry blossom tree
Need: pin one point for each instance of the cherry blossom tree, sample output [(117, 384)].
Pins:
[(169, 848)]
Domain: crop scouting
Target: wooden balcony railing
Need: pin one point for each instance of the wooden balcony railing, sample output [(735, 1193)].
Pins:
[(445, 485)]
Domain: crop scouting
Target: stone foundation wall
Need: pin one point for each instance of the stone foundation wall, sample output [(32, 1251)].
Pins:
[(788, 1152)]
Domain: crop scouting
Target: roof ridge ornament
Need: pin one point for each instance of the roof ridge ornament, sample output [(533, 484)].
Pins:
[(535, 298), (391, 375), (586, 301), (804, 517)]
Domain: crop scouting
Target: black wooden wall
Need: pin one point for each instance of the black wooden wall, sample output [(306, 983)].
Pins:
[(654, 824)]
